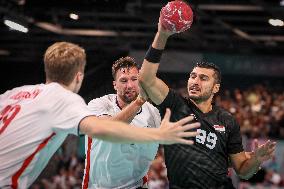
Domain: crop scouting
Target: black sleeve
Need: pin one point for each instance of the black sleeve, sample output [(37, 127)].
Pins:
[(235, 139), (172, 101)]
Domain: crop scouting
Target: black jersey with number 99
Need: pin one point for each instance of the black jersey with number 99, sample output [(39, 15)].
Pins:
[(204, 164)]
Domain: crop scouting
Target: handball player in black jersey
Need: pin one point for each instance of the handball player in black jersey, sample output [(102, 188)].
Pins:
[(204, 164)]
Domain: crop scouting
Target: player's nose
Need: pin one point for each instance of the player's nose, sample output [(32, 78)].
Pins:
[(131, 84)]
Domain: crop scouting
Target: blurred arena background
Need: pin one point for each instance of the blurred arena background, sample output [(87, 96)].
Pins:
[(245, 38)]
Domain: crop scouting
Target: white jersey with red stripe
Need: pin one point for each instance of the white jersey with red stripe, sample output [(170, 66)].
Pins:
[(34, 121), (113, 165)]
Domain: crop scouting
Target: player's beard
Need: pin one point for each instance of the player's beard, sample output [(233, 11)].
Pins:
[(203, 96), (129, 98)]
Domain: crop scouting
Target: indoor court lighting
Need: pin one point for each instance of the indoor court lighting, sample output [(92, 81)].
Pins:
[(15, 26), (276, 22), (74, 16), (4, 52)]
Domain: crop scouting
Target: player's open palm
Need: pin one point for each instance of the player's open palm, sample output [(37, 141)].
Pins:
[(176, 132), (265, 151)]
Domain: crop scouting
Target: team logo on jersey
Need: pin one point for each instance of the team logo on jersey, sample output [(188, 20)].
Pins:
[(219, 128)]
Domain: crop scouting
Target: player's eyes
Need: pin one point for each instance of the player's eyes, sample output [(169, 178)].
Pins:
[(192, 76), (204, 78)]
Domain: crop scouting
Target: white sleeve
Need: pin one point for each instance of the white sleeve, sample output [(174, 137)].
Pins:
[(68, 113), (157, 117), (101, 106), (4, 95)]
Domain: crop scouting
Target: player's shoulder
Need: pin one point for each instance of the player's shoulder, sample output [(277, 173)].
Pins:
[(109, 98), (58, 90), (222, 112), (22, 88), (23, 92), (57, 94), (224, 115), (175, 97)]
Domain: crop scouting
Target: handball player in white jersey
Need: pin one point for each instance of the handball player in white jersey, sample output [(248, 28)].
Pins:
[(114, 165), (35, 119)]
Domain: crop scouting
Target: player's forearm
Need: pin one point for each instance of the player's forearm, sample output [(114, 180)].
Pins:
[(125, 134), (249, 168), (149, 81), (149, 69), (147, 74), (160, 41), (115, 131), (155, 88), (130, 111)]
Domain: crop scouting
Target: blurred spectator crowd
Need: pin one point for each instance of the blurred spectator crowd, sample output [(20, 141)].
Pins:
[(259, 109)]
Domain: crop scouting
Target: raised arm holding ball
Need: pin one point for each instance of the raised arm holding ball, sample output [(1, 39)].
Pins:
[(204, 164)]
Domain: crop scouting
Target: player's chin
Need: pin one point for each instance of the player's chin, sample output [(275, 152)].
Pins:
[(130, 98), (194, 96)]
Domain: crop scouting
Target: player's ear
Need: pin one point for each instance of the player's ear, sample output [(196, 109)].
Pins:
[(114, 85), (216, 88), (79, 77)]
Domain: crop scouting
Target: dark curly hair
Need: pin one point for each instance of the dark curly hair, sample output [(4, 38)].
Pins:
[(124, 62), (211, 66)]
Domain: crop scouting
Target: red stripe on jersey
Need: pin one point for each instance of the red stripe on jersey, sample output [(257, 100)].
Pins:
[(87, 171), (145, 179), (26, 163)]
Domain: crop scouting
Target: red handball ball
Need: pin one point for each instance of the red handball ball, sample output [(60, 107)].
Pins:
[(176, 16)]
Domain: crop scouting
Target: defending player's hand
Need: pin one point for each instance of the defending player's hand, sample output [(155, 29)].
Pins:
[(175, 132), (265, 151)]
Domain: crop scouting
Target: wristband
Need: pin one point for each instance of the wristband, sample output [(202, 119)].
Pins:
[(153, 55)]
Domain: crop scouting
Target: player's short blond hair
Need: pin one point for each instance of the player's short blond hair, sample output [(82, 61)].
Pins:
[(62, 61)]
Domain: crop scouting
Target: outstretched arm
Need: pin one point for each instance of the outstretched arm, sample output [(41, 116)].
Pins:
[(102, 108), (247, 164), (155, 88), (168, 133), (129, 112)]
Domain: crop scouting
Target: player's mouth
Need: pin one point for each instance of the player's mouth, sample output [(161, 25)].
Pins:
[(194, 89), (129, 93)]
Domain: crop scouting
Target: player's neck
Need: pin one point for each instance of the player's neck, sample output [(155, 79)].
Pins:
[(204, 106), (70, 87), (121, 103)]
